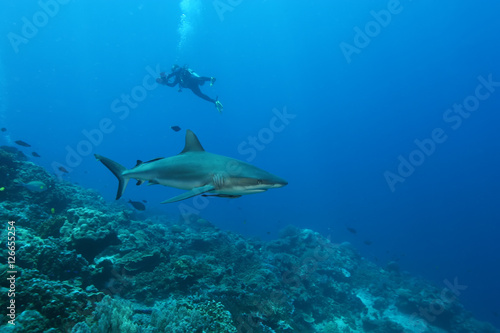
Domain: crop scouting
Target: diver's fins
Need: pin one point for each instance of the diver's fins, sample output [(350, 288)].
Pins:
[(219, 106)]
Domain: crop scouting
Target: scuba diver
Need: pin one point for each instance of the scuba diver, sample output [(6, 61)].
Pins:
[(187, 78)]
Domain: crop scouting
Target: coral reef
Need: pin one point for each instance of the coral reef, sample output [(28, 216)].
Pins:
[(87, 266)]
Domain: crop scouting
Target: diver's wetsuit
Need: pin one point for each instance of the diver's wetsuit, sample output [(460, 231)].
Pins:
[(187, 78)]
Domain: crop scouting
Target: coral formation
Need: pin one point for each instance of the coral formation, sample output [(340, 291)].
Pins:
[(87, 266)]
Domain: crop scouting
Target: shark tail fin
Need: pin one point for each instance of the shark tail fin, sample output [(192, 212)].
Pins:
[(117, 169)]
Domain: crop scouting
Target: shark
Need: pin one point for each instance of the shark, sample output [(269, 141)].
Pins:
[(196, 171)]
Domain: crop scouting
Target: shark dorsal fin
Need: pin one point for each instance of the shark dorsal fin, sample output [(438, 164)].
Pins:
[(192, 143)]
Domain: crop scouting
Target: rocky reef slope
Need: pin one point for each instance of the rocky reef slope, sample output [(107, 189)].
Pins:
[(87, 266)]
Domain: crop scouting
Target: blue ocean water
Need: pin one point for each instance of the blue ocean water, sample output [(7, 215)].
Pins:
[(382, 116)]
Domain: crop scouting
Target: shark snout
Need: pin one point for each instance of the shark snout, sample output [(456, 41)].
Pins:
[(278, 182), (282, 183)]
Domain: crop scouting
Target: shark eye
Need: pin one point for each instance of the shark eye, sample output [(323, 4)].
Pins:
[(259, 181)]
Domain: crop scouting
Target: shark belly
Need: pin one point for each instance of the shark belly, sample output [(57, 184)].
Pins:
[(236, 191)]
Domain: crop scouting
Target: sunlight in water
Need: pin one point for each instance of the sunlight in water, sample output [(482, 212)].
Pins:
[(190, 11)]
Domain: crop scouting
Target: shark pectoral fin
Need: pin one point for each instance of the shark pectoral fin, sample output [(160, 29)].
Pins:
[(194, 192)]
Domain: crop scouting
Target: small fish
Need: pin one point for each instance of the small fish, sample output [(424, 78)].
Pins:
[(22, 143), (352, 230), (3, 129), (33, 186), (52, 210), (145, 201), (137, 205), (175, 128), (63, 169), (35, 154), (368, 242), (2, 189)]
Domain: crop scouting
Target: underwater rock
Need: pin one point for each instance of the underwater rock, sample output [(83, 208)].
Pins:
[(381, 326), (204, 316), (60, 302), (81, 327), (392, 266), (10, 164), (31, 321), (49, 257), (91, 231), (113, 315), (15, 155), (135, 262)]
